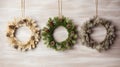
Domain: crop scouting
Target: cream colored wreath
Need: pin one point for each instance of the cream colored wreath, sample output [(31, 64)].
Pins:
[(17, 44)]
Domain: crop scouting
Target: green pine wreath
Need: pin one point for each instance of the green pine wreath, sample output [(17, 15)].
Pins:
[(86, 30), (48, 31)]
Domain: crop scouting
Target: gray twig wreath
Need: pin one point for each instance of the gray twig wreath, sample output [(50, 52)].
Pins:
[(49, 30), (87, 30), (35, 37)]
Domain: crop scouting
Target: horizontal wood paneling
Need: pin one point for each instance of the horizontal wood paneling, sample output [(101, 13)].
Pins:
[(77, 10)]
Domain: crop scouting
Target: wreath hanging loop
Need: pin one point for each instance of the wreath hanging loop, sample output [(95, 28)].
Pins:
[(34, 39), (86, 30), (48, 31)]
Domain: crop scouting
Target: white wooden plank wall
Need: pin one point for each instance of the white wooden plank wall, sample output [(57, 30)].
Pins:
[(77, 10)]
